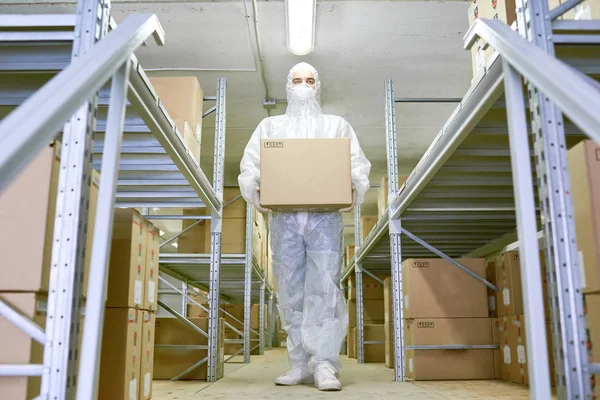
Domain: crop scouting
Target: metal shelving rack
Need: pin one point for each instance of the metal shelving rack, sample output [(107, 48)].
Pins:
[(67, 60), (242, 281), (473, 188)]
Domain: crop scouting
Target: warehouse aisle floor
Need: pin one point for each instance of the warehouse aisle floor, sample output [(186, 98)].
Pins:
[(368, 381)]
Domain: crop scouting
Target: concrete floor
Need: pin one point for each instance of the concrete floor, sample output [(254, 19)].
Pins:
[(368, 381)]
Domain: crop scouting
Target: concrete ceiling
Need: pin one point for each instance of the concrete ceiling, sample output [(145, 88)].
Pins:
[(359, 44)]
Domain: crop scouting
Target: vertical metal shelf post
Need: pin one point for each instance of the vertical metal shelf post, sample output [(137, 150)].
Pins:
[(395, 233), (568, 323), (248, 282), (70, 228), (537, 348), (360, 338), (216, 229), (270, 322), (261, 320)]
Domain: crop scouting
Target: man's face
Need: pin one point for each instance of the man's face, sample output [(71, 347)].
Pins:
[(303, 77)]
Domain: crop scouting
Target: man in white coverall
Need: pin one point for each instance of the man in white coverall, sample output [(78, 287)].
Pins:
[(307, 246)]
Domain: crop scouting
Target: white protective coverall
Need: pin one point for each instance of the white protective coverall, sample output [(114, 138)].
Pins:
[(307, 246)]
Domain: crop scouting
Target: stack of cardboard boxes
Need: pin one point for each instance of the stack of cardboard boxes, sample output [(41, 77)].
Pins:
[(584, 167), (236, 319), (373, 318), (367, 223), (27, 211), (442, 306), (127, 360), (183, 98), (509, 319), (503, 10)]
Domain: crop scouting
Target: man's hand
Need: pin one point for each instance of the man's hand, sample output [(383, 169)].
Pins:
[(256, 201), (354, 198)]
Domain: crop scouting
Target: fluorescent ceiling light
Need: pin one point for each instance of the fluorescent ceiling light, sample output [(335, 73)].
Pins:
[(300, 21)]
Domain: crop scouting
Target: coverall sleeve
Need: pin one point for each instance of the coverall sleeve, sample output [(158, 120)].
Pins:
[(361, 167), (249, 178)]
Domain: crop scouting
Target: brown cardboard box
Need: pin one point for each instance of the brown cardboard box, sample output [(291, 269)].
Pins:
[(383, 193), (16, 347), (589, 9), (367, 223), (375, 352), (508, 278), (151, 273), (170, 362), (28, 207), (503, 10), (490, 276), (233, 237), (518, 350), (290, 179), (390, 354), (592, 306), (505, 349), (349, 253), (449, 364), (255, 316), (195, 311), (434, 288), (371, 288), (584, 166), (352, 343), (183, 98), (194, 240), (235, 310), (147, 355), (121, 350), (189, 138), (373, 312), (237, 208), (127, 260), (497, 352)]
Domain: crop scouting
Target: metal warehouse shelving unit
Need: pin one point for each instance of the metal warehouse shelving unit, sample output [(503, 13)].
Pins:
[(54, 68), (472, 191), (241, 281)]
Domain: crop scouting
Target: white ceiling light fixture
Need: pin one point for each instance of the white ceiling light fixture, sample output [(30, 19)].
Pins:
[(300, 18)]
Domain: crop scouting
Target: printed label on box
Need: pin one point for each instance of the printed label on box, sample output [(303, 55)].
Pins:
[(583, 12), (406, 302), (147, 382), (521, 354), (137, 292), (410, 365), (581, 270), (506, 350), (151, 290), (133, 389), (492, 303), (479, 59), (506, 296)]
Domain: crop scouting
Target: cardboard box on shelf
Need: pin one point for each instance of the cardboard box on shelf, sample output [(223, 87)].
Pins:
[(503, 10), (291, 180), (196, 311), (127, 267), (434, 288), (449, 364), (151, 273), (367, 223), (170, 362), (349, 253), (505, 349), (189, 138), (592, 308), (19, 348), (390, 360), (351, 343), (373, 312), (198, 239), (374, 352), (237, 204), (255, 316), (383, 193), (183, 98), (388, 300), (194, 240), (584, 167), (27, 211), (372, 289), (120, 364), (147, 355), (508, 279), (518, 350), (490, 276)]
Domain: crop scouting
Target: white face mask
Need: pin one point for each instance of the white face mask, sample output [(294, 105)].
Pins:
[(303, 91)]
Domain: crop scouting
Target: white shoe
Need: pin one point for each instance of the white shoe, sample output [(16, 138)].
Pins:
[(325, 379), (294, 377)]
